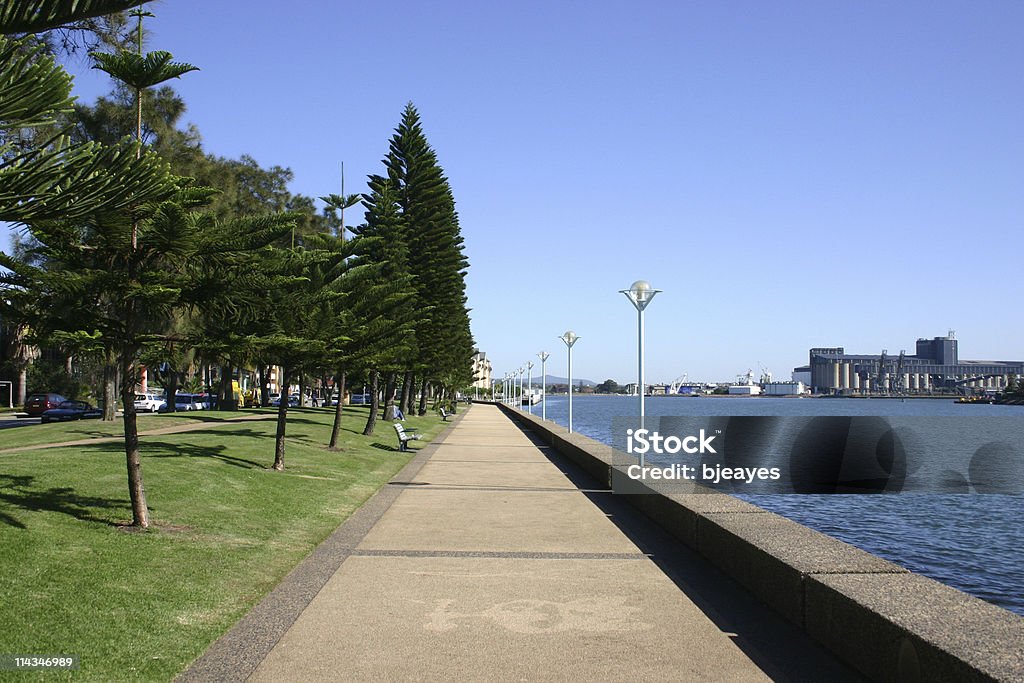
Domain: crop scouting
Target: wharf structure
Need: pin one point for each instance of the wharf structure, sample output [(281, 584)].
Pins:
[(935, 367)]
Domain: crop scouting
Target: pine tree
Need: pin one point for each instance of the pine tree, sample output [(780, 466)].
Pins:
[(436, 259), (390, 310), (43, 176)]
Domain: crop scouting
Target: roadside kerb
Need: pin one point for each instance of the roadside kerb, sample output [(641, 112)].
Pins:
[(878, 617)]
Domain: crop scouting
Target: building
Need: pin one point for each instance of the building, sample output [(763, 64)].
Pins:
[(794, 388), (802, 374), (481, 371), (935, 367)]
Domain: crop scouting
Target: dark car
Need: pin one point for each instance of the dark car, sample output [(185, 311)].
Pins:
[(37, 404), (72, 410)]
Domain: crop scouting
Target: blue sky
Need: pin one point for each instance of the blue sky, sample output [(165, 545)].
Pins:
[(791, 174)]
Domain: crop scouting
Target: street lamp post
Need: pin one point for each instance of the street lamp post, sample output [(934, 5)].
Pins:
[(640, 294), (529, 386), (543, 355), (522, 383), (570, 338), (522, 371)]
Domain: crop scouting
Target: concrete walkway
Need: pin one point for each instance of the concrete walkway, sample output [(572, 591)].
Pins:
[(495, 561)]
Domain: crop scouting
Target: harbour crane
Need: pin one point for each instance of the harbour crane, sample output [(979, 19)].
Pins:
[(900, 389), (879, 379), (678, 382)]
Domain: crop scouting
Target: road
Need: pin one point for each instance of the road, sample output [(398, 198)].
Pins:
[(6, 422)]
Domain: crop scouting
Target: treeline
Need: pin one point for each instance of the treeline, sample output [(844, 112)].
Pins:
[(141, 248)]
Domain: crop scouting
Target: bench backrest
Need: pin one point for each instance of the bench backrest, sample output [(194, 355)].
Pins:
[(400, 430)]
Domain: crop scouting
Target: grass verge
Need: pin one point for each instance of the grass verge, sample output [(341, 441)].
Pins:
[(142, 605)]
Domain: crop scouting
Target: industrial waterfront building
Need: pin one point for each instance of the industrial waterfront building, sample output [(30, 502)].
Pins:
[(935, 367)]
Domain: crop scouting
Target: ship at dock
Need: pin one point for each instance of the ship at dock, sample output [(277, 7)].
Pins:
[(532, 397)]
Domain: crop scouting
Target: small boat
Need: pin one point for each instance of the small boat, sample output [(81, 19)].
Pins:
[(976, 400)]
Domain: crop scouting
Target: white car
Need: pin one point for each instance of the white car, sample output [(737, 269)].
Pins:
[(148, 403)]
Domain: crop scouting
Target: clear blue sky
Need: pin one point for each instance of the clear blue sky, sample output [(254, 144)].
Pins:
[(791, 174)]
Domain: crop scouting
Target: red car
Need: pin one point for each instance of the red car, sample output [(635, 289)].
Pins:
[(37, 404)]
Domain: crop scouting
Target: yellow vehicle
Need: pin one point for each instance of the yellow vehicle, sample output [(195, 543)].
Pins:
[(250, 399)]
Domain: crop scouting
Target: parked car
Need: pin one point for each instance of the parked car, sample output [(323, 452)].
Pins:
[(359, 399), (148, 403), (71, 410), (182, 403), (293, 401), (37, 404)]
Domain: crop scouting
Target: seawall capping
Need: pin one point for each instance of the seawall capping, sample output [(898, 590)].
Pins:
[(909, 627), (890, 624)]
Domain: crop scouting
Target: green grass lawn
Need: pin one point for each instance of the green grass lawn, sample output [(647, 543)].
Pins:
[(142, 605)]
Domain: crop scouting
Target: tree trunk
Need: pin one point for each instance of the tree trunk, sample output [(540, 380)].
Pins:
[(264, 375), (407, 393), (371, 420), (424, 388), (109, 386), (226, 396), (302, 389), (21, 395), (137, 492), (282, 422), (22, 356), (390, 385), (171, 390), (339, 386)]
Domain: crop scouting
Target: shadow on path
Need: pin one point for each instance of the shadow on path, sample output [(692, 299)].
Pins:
[(779, 648)]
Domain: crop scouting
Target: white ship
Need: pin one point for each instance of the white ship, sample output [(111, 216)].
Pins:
[(532, 397)]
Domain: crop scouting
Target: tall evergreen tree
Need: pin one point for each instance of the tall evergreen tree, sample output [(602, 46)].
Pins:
[(44, 176), (392, 306), (436, 259)]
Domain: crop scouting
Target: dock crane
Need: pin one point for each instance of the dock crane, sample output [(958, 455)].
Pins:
[(678, 382), (879, 379), (900, 389)]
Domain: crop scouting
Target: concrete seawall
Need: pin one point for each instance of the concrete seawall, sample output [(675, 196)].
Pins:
[(888, 623)]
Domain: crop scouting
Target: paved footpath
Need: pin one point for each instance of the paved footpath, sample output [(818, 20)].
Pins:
[(492, 563)]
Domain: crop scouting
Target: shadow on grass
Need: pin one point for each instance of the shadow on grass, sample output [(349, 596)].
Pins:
[(166, 449), (151, 448), (20, 492), (385, 447)]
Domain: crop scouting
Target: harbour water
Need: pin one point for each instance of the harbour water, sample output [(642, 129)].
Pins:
[(974, 542)]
